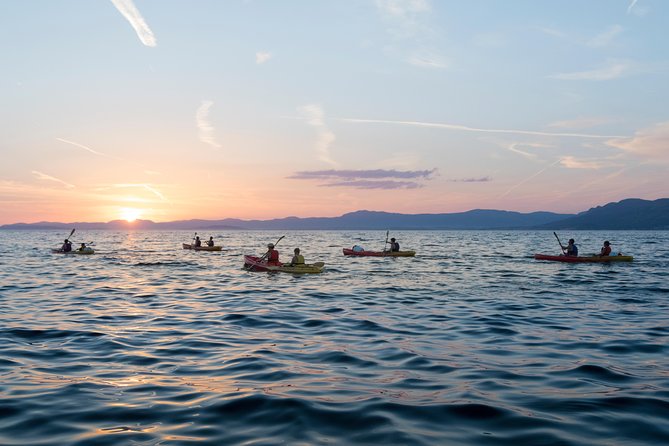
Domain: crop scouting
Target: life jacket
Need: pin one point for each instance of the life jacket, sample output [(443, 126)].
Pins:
[(606, 250), (395, 246), (298, 260), (273, 256), (67, 247)]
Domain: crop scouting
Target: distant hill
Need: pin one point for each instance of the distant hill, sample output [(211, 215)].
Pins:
[(632, 213), (372, 220)]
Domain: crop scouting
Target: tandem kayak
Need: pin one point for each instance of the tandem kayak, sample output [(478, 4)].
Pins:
[(253, 263), (85, 251), (350, 252), (202, 248), (588, 259)]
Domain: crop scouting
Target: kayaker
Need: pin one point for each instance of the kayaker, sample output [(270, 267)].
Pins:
[(298, 259), (198, 242), (82, 247), (571, 249), (272, 254), (606, 249), (210, 242), (358, 248), (394, 246), (67, 246)]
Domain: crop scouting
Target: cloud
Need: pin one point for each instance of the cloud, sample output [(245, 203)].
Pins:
[(574, 163), (631, 6), (95, 152), (262, 57), (206, 131), (362, 174), (475, 129), (513, 147), (315, 117), (368, 184), (146, 187), (368, 179), (650, 143), (613, 70), (43, 176), (471, 180), (606, 37), (427, 60), (579, 123), (129, 11)]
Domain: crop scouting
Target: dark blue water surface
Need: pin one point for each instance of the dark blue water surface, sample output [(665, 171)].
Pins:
[(470, 342)]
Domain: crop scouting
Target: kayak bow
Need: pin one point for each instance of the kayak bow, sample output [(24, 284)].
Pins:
[(202, 248)]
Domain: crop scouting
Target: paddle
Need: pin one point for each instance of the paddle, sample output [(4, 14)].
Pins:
[(250, 268), (558, 239), (386, 244)]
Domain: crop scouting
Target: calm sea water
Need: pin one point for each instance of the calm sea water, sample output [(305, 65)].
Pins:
[(471, 342)]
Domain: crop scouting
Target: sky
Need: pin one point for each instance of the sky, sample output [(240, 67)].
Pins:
[(179, 109)]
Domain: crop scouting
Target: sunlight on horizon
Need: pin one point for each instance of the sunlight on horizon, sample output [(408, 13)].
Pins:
[(130, 214)]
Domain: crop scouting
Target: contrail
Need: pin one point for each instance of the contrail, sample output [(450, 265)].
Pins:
[(529, 178), (132, 15), (83, 147), (631, 6), (43, 176), (477, 130)]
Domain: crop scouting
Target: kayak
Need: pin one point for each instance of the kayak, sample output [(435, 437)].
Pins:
[(253, 263), (588, 259), (350, 252), (86, 250), (202, 248)]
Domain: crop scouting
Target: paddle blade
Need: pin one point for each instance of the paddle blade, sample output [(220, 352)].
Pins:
[(71, 233)]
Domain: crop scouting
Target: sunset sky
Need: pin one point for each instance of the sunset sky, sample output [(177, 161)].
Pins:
[(175, 109)]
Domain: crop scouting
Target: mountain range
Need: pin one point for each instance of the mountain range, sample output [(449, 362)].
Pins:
[(631, 213)]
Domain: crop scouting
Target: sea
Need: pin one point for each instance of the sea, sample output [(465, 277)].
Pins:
[(471, 342)]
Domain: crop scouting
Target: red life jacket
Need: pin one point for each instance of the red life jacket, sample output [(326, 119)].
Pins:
[(273, 256)]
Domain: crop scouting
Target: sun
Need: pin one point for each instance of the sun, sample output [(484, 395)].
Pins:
[(130, 214)]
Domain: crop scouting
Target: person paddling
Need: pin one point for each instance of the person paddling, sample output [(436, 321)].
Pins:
[(606, 249), (210, 242), (198, 242), (67, 246), (571, 249), (298, 259), (272, 255), (82, 247), (394, 245)]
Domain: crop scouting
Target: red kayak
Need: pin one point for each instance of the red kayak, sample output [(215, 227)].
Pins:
[(588, 259), (350, 252)]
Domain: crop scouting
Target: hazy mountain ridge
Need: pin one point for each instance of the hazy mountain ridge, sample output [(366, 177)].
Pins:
[(631, 213)]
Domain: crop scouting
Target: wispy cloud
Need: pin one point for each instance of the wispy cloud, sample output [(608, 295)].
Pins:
[(404, 15), (368, 184), (368, 179), (206, 130), (571, 162), (43, 176), (605, 38), (262, 57), (513, 147), (146, 187), (652, 143), (81, 146), (471, 180), (579, 123), (613, 70), (475, 129), (315, 117), (631, 6), (129, 11), (427, 59), (362, 174)]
